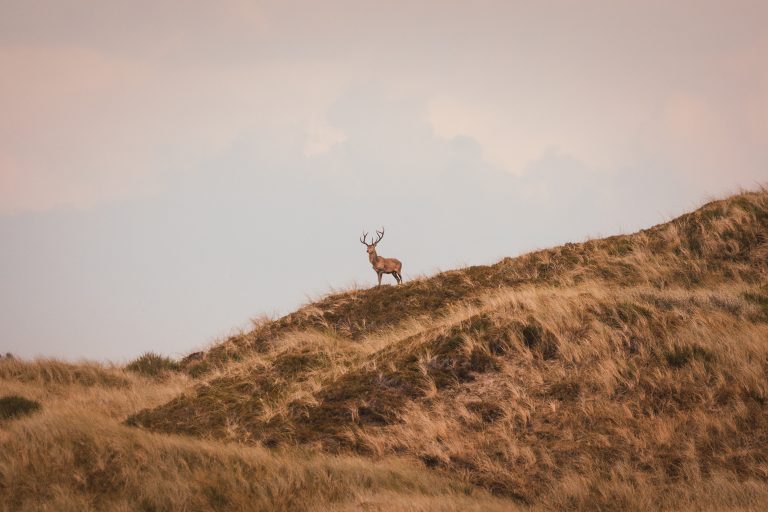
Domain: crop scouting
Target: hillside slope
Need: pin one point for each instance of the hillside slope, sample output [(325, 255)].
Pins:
[(630, 371), (72, 454)]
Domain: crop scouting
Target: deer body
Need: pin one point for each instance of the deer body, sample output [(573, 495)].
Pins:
[(382, 265)]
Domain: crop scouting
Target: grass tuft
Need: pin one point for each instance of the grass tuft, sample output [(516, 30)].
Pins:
[(153, 365), (13, 406)]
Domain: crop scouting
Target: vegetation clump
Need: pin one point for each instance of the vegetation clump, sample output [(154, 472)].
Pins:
[(153, 365), (52, 372), (13, 406)]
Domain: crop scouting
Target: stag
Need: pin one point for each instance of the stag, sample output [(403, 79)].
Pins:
[(381, 265)]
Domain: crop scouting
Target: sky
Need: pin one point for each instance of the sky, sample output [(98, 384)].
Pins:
[(171, 169)]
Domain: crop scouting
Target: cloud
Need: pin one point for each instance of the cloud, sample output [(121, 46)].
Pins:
[(321, 137), (81, 128), (100, 105)]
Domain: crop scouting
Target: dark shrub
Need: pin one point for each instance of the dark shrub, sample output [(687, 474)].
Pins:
[(153, 365), (13, 406)]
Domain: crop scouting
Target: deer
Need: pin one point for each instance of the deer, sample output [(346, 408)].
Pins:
[(381, 265)]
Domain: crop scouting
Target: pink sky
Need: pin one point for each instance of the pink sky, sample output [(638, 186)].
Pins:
[(99, 98)]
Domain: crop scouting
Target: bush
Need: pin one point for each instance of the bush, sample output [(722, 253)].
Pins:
[(13, 406), (153, 365)]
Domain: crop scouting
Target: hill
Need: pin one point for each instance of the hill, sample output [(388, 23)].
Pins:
[(623, 373), (625, 370)]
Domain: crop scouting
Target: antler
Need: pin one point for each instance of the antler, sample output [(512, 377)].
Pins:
[(380, 235), (364, 238)]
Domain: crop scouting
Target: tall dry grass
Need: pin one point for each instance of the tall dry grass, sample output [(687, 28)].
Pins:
[(640, 406), (75, 455), (589, 396)]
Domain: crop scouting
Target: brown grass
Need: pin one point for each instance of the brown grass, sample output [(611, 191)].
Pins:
[(658, 390), (626, 373), (75, 455)]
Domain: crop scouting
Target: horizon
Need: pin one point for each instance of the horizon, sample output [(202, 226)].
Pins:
[(161, 183)]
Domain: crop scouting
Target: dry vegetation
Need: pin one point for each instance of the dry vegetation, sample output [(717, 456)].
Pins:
[(73, 454), (625, 373)]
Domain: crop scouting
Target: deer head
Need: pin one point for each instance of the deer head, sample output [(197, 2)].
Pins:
[(371, 248)]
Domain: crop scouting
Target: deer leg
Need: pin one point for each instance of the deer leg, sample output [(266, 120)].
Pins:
[(379, 274), (398, 277)]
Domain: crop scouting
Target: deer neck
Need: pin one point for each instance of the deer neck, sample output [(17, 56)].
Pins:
[(372, 257)]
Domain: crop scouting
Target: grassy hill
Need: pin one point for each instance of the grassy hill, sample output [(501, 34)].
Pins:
[(624, 373)]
